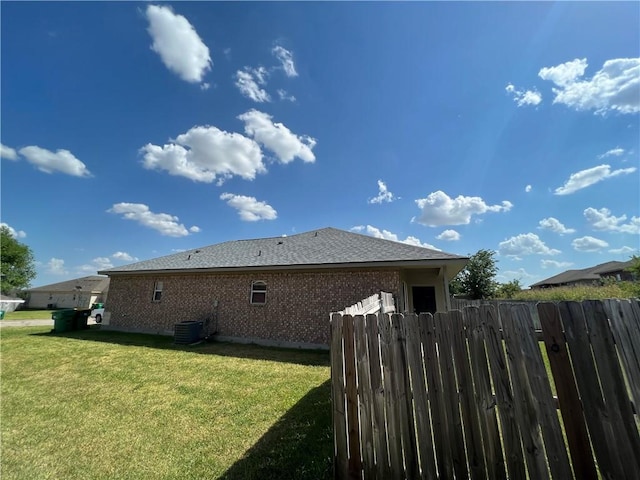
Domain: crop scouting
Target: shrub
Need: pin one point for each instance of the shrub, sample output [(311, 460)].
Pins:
[(582, 292)]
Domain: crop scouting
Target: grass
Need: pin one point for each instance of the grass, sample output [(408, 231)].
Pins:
[(28, 315), (99, 404)]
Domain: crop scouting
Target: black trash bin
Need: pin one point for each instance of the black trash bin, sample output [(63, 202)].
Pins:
[(80, 319), (187, 332)]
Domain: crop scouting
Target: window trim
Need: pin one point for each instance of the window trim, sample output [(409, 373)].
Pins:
[(157, 291), (262, 290)]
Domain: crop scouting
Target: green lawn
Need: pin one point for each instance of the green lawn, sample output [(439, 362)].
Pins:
[(96, 404), (28, 315)]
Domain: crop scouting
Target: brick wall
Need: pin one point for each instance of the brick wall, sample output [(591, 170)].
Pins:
[(297, 308)]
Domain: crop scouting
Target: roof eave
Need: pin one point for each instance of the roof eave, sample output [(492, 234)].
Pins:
[(430, 263)]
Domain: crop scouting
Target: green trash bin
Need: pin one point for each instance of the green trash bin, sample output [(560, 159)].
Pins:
[(80, 319), (63, 320), (1, 314)]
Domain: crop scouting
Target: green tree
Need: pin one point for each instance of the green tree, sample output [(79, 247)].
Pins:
[(635, 267), (509, 289), (477, 280), (16, 263)]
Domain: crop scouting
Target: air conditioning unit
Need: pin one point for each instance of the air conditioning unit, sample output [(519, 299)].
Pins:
[(187, 332)]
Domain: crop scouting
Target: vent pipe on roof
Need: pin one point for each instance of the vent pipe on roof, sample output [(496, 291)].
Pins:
[(259, 252)]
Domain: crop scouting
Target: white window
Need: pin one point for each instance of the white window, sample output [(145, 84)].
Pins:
[(258, 293), (157, 291)]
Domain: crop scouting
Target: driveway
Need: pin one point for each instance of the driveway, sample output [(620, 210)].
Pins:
[(35, 323)]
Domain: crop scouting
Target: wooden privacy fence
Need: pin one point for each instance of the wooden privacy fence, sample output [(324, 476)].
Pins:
[(378, 302), (467, 394)]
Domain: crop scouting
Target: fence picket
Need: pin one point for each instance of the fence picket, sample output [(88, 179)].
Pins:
[(451, 399), (365, 397), (504, 394), (353, 433), (405, 408), (525, 407), (541, 389), (626, 336), (444, 459), (602, 437), (570, 405), (613, 387), (338, 394), (420, 399), (377, 389), (390, 399), (484, 399), (471, 424)]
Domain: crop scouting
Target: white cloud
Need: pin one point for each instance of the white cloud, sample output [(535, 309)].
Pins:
[(614, 152), (99, 263), (590, 176), (284, 95), (518, 274), (250, 209), (525, 244), (387, 235), (13, 232), (615, 87), (205, 86), (384, 195), (178, 44), (247, 82), (588, 244), (286, 59), (194, 229), (206, 153), (124, 257), (55, 266), (524, 97), (162, 222), (440, 209), (564, 74), (603, 220), (623, 250), (528, 188), (449, 236), (278, 138), (49, 162), (8, 153), (554, 225), (554, 264)]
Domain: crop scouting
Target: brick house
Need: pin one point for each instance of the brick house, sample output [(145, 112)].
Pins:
[(276, 291)]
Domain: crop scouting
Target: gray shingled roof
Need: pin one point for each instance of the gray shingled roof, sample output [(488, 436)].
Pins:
[(92, 283), (327, 246), (585, 274)]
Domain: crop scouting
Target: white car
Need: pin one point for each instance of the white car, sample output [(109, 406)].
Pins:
[(97, 313)]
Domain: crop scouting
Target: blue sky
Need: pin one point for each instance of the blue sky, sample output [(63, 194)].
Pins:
[(135, 130)]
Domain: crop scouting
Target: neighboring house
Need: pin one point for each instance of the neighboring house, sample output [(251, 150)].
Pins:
[(10, 304), (77, 293), (588, 276), (279, 290)]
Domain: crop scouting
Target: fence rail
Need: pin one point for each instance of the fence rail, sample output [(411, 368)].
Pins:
[(466, 394)]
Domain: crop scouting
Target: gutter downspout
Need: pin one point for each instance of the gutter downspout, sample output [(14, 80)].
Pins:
[(445, 287)]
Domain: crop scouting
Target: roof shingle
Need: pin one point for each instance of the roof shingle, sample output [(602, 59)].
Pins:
[(327, 246)]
